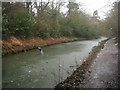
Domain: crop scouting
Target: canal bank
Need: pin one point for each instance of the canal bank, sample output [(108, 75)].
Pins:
[(14, 45), (104, 69), (78, 75)]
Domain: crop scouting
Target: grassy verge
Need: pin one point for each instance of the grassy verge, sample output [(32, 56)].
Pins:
[(15, 45), (78, 76)]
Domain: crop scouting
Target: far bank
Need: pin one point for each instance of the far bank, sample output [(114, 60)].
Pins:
[(14, 45)]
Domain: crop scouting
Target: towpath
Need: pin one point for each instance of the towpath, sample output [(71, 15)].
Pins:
[(103, 72)]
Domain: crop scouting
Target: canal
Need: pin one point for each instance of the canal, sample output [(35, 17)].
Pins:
[(33, 70)]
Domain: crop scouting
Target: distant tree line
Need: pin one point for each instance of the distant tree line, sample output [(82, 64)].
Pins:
[(110, 24), (20, 20)]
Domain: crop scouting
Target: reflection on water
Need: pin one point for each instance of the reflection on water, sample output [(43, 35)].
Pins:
[(33, 70)]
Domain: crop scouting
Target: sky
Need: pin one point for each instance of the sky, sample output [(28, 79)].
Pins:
[(103, 6), (89, 6)]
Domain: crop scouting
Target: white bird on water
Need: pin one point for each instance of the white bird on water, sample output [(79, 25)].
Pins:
[(41, 51)]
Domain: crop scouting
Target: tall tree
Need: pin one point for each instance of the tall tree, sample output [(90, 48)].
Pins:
[(112, 21)]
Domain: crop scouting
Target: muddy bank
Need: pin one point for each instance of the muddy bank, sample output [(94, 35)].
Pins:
[(14, 45), (78, 76)]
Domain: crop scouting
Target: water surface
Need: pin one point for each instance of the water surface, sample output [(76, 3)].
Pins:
[(33, 70)]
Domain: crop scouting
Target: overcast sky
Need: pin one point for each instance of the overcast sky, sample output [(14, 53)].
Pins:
[(89, 6), (103, 6)]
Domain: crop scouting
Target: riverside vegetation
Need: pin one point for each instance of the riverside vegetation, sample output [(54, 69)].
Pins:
[(26, 25)]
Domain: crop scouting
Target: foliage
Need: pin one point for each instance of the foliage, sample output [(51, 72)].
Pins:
[(20, 20), (111, 22), (4, 26)]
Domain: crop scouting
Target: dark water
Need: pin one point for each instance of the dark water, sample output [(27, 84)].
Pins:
[(32, 70)]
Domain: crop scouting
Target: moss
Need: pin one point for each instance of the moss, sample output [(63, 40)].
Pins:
[(43, 45)]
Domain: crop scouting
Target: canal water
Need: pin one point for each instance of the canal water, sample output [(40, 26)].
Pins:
[(33, 70)]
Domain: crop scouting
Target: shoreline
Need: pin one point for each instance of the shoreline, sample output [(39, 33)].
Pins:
[(78, 75), (15, 45)]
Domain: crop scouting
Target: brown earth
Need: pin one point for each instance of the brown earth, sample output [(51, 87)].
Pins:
[(14, 45)]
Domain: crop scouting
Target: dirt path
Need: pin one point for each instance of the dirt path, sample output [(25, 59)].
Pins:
[(103, 72)]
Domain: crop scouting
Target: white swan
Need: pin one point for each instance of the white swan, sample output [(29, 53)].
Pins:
[(41, 51)]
